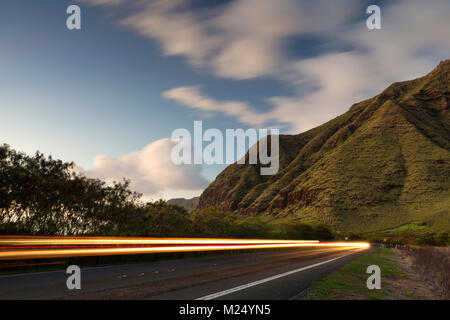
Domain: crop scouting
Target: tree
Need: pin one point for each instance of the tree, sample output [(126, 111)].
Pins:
[(212, 222), (40, 195)]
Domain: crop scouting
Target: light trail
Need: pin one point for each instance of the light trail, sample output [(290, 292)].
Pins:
[(16, 241), (21, 248)]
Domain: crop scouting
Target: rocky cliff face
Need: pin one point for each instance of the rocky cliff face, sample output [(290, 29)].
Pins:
[(393, 149)]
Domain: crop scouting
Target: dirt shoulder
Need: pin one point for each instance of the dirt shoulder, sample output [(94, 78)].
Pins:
[(399, 280), (428, 267)]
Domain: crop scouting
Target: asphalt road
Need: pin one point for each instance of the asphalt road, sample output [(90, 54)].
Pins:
[(272, 275)]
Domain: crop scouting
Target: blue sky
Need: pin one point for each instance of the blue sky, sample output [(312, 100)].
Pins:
[(140, 69)]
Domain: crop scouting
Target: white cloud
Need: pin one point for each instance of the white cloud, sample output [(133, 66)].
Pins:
[(340, 80), (178, 30), (240, 40), (254, 32), (192, 98), (104, 2), (150, 170), (329, 74), (414, 38)]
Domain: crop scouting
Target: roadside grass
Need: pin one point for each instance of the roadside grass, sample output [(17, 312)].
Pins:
[(392, 220), (409, 227), (350, 281)]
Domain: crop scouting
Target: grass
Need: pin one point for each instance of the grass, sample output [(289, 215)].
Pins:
[(409, 227), (350, 281)]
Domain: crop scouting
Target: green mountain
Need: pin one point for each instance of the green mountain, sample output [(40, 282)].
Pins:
[(383, 163)]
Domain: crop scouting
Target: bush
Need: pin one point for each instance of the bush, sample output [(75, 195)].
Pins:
[(212, 222), (432, 239), (251, 229)]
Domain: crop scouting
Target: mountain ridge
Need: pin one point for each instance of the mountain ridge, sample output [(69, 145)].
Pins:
[(392, 149)]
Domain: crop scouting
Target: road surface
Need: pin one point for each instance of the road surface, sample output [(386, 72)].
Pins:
[(269, 275)]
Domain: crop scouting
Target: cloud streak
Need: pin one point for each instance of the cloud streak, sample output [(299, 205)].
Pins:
[(412, 42), (240, 40), (150, 170), (244, 39), (194, 99)]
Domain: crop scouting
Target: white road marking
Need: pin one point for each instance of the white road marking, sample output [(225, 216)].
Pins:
[(258, 282), (31, 274), (57, 271)]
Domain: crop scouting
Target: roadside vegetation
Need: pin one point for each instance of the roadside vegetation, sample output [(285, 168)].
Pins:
[(43, 196), (406, 273), (349, 283), (414, 233)]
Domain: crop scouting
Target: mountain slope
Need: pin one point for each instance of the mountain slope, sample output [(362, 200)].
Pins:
[(390, 153)]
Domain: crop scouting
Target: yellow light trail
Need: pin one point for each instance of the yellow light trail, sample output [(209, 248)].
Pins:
[(135, 241), (28, 248)]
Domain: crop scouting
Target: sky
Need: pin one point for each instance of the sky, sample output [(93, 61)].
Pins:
[(109, 96)]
